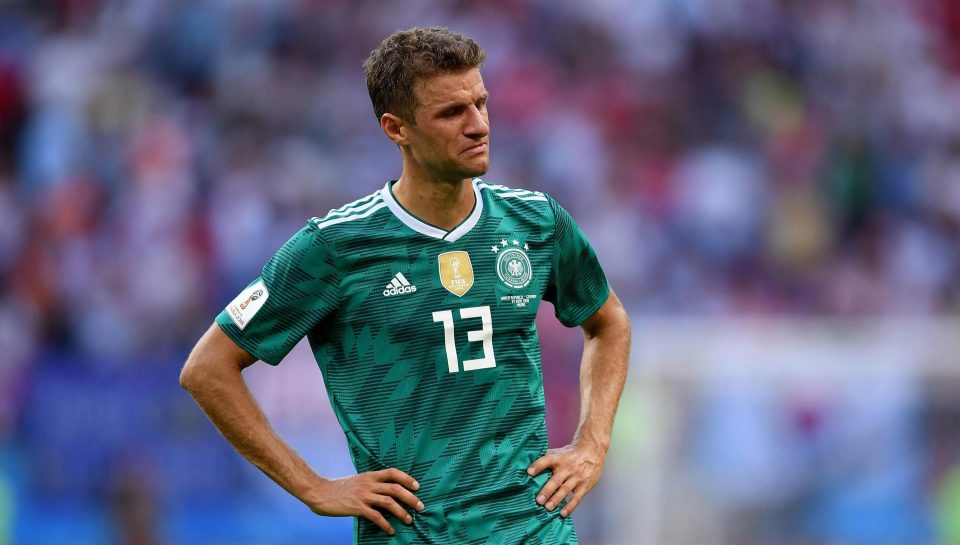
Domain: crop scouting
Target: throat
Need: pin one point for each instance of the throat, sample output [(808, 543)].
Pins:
[(441, 204)]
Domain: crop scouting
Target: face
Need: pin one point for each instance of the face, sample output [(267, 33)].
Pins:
[(451, 137)]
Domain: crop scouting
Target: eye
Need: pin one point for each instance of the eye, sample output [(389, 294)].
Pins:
[(450, 112)]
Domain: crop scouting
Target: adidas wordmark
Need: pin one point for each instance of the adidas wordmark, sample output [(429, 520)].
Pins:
[(398, 286)]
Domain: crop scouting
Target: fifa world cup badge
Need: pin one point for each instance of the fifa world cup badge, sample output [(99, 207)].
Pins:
[(456, 272), (246, 305)]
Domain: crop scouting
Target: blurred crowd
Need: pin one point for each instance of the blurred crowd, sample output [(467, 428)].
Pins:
[(726, 157)]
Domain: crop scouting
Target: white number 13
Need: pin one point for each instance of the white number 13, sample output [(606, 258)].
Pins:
[(485, 335)]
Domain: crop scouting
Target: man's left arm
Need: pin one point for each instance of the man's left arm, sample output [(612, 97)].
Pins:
[(603, 370)]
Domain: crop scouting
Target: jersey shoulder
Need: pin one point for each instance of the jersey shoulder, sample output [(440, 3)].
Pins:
[(362, 214), (534, 205), (503, 192)]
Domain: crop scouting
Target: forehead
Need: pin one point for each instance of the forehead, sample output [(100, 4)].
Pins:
[(450, 87)]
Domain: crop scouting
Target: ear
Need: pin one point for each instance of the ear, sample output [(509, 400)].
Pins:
[(394, 127)]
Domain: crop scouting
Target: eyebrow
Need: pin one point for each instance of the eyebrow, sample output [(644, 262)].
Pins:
[(444, 107)]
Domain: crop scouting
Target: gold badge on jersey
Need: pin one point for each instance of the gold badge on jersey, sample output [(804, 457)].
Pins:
[(456, 272)]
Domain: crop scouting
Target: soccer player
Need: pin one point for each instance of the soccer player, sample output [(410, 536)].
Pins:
[(419, 301)]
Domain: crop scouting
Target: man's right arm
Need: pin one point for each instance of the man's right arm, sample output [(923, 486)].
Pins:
[(212, 375)]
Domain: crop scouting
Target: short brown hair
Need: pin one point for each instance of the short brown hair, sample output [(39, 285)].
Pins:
[(408, 56)]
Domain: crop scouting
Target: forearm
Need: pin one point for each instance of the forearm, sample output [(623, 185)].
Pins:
[(603, 372), (576, 467), (223, 395), (213, 377)]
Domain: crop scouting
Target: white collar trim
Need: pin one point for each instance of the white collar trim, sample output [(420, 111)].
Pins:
[(421, 227)]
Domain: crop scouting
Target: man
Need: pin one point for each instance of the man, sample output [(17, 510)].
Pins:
[(419, 303)]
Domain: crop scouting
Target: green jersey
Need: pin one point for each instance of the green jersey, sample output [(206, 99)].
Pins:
[(428, 349)]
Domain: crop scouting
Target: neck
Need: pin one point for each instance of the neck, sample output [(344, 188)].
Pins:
[(444, 203)]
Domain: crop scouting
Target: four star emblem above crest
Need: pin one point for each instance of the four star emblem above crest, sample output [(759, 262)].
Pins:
[(513, 264)]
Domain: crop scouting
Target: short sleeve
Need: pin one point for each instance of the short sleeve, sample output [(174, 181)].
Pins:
[(298, 287), (577, 286)]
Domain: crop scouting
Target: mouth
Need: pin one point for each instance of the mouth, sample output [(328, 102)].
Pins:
[(476, 148)]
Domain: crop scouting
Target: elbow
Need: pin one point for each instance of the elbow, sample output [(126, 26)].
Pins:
[(190, 374), (214, 360), (623, 329), (620, 320), (186, 376), (610, 322), (625, 320)]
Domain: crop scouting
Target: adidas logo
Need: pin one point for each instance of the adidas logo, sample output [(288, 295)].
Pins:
[(398, 286)]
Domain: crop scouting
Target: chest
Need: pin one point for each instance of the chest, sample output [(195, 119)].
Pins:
[(487, 268), (410, 285)]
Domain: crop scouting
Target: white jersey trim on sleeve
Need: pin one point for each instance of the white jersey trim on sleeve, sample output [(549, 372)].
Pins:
[(508, 193), (322, 223), (350, 211)]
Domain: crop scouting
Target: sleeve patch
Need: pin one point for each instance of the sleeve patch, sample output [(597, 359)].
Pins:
[(246, 305)]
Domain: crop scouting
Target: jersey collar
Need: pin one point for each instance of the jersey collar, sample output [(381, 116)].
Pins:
[(425, 228)]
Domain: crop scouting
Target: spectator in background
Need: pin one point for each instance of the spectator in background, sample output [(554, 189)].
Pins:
[(745, 158)]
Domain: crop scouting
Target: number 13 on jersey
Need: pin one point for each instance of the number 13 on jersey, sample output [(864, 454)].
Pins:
[(484, 335)]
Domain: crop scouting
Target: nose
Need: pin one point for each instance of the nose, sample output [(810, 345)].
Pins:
[(477, 125)]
